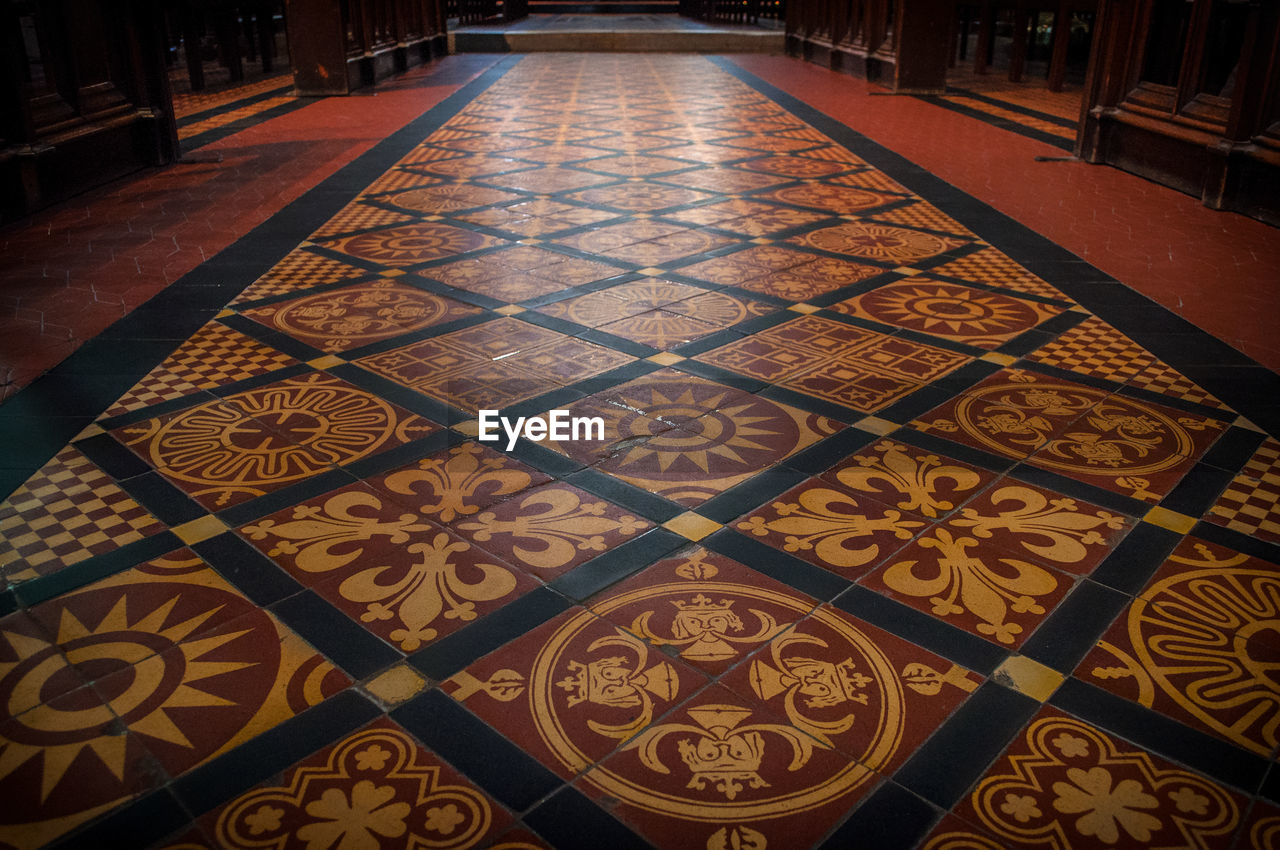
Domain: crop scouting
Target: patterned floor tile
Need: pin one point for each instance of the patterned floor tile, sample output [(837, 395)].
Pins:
[(373, 786), (812, 703), (68, 511), (991, 267), (1120, 444), (734, 269), (299, 270), (572, 690), (603, 240), (836, 362), (641, 198), (412, 244), (797, 166), (986, 569), (185, 668), (403, 578), (803, 282), (593, 309), (230, 450), (1251, 502), (721, 309), (660, 329), (924, 215), (972, 316), (841, 200), (551, 529), (831, 526), (1095, 348), (360, 216), (1198, 644), (728, 181), (549, 179), (494, 364), (358, 315), (214, 356), (447, 197), (634, 165), (886, 244), (1064, 783), (709, 451), (911, 480)]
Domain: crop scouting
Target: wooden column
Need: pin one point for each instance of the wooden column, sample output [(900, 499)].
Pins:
[(986, 35), (923, 39), (1061, 41), (317, 46)]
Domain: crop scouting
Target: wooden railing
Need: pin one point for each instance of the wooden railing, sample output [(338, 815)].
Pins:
[(735, 11), (478, 11), (84, 97), (237, 32), (377, 38)]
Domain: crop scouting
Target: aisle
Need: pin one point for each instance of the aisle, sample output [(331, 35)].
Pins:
[(897, 533)]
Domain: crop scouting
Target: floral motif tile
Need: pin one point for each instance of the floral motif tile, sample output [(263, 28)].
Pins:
[(594, 309), (374, 786), (1064, 782), (821, 357), (398, 575), (604, 240), (887, 244), (831, 526), (799, 283), (551, 178), (960, 313), (1197, 645), (185, 668), (411, 244), (358, 315), (912, 480), (250, 443), (1000, 564), (68, 511), (551, 529), (727, 180), (634, 165)]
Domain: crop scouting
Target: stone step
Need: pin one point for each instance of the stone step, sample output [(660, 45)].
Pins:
[(620, 33)]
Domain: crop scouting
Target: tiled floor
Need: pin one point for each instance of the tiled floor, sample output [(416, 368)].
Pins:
[(898, 533)]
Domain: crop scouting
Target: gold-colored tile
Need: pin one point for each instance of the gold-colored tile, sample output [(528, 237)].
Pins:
[(91, 431), (760, 240), (1028, 677), (395, 686), (509, 310), (804, 308), (326, 362), (1171, 520), (876, 425), (650, 271), (394, 272), (907, 271), (199, 530), (692, 525), (471, 427), (1241, 422), (998, 358), (665, 358), (224, 312)]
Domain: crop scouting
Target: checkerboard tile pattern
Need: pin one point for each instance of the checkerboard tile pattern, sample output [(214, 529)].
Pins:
[(68, 511), (1251, 502), (214, 356)]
